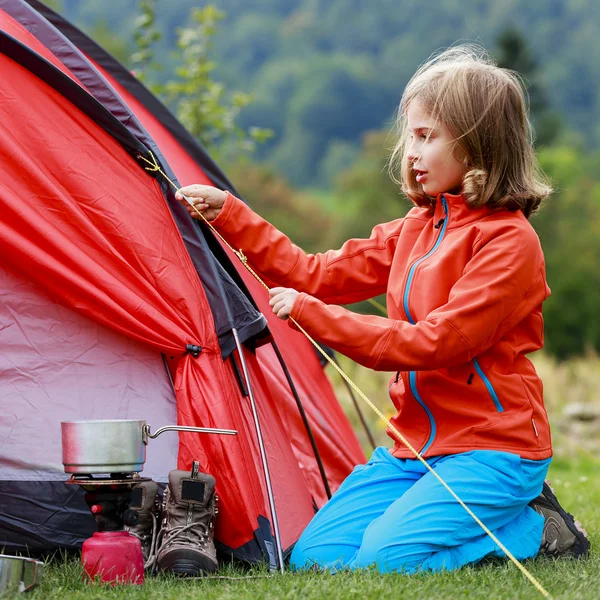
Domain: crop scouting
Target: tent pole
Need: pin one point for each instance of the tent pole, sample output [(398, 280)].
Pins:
[(261, 445)]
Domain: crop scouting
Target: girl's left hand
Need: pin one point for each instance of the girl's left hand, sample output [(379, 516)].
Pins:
[(282, 300)]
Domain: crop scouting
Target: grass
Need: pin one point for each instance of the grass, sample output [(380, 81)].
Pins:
[(577, 484), (572, 402)]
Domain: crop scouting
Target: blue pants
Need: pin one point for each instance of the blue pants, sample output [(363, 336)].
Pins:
[(394, 513)]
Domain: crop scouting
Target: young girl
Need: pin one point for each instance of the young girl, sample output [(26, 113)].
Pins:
[(465, 281)]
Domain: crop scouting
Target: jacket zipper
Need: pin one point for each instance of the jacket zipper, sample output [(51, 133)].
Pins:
[(488, 385), (412, 375)]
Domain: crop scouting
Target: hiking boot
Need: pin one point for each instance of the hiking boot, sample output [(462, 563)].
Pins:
[(145, 501), (186, 540), (562, 535)]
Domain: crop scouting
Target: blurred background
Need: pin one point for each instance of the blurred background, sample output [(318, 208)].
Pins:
[(296, 100)]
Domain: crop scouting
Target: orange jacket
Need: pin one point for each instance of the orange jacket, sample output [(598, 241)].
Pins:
[(464, 293)]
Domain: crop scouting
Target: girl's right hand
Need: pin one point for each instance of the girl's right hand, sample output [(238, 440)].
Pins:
[(206, 199)]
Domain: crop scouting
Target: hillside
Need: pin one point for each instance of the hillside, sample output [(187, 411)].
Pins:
[(325, 71)]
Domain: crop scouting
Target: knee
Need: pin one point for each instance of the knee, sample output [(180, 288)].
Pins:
[(390, 555), (323, 556), (308, 550), (390, 559), (299, 558)]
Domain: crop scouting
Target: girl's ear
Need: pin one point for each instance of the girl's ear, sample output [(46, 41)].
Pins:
[(461, 156), (467, 162)]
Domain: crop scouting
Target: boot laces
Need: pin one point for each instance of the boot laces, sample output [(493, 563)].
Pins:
[(176, 534)]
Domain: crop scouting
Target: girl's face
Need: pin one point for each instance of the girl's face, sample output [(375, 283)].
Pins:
[(431, 153)]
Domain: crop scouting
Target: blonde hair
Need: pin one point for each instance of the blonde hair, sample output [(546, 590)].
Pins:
[(484, 108)]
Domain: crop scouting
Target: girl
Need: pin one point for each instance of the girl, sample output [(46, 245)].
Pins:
[(465, 281)]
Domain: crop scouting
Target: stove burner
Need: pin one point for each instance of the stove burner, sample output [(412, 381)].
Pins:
[(114, 480), (109, 498)]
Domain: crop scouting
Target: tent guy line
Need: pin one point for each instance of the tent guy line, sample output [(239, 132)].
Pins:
[(155, 167)]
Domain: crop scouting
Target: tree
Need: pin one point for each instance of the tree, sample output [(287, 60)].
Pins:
[(364, 193), (569, 229), (298, 214), (513, 53), (207, 110)]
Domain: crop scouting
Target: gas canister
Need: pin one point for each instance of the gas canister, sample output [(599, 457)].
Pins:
[(114, 557)]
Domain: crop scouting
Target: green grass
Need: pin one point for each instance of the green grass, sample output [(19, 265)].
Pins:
[(577, 484)]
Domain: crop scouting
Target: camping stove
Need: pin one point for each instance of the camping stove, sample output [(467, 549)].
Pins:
[(112, 553), (109, 497), (105, 458)]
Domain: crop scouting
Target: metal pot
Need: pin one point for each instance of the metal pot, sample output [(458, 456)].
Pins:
[(18, 574), (113, 446)]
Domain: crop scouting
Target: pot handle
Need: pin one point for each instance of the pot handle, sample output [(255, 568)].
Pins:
[(146, 431), (32, 574)]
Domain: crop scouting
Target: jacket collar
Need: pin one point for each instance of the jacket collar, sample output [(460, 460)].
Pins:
[(454, 207)]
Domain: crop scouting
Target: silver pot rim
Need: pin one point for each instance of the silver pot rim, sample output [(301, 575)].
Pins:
[(105, 421)]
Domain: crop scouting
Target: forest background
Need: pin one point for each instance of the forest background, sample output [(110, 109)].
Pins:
[(296, 99)]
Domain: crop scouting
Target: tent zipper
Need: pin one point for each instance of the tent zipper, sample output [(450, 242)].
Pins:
[(412, 375)]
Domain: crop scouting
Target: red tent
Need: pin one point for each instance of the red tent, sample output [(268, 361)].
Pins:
[(104, 281)]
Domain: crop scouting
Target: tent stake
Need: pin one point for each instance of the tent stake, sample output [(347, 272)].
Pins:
[(263, 453)]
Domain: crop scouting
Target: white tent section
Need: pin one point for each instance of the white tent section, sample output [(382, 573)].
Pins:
[(57, 365)]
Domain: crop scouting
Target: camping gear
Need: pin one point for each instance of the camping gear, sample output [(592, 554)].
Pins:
[(103, 305), (146, 502), (186, 539), (114, 557), (19, 574), (113, 445), (112, 554), (116, 447)]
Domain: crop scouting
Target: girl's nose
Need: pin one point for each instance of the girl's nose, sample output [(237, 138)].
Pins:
[(412, 158), (412, 154)]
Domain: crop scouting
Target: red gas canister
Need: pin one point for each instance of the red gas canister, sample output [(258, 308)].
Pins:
[(114, 557)]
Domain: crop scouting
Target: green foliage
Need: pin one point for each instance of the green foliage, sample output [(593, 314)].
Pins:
[(328, 71), (364, 193), (336, 100), (203, 105), (103, 34), (299, 214), (513, 53), (569, 229), (145, 37), (326, 77), (56, 5)]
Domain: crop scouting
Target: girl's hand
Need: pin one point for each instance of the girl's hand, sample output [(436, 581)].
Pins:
[(206, 199), (282, 300)]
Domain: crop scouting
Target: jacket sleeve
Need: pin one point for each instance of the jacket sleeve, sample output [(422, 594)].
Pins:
[(501, 285), (357, 271)]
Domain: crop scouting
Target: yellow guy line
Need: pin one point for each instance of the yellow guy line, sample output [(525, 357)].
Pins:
[(154, 166), (377, 305)]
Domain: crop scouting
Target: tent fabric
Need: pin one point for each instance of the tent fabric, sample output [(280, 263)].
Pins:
[(230, 308), (328, 422), (99, 242), (184, 154), (194, 154), (77, 369), (123, 267)]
